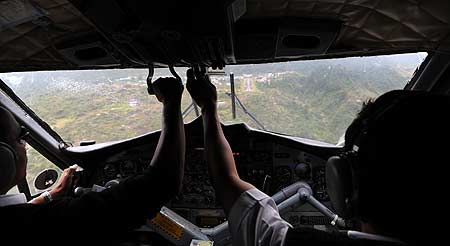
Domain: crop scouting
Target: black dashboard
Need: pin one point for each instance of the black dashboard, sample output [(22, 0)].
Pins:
[(269, 161)]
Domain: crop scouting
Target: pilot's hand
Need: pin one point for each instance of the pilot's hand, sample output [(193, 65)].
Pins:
[(202, 90), (65, 183), (168, 90)]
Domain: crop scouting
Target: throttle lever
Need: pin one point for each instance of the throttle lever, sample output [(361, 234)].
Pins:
[(174, 73), (151, 72), (199, 70), (79, 191)]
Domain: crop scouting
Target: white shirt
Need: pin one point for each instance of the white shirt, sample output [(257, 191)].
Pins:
[(254, 220), (12, 199)]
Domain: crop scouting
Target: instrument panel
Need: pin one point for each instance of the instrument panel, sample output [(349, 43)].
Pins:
[(268, 165)]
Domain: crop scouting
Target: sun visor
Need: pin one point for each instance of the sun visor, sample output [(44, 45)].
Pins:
[(298, 37), (284, 38)]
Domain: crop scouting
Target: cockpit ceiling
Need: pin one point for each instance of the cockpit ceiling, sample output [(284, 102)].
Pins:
[(31, 45), (57, 29), (376, 24)]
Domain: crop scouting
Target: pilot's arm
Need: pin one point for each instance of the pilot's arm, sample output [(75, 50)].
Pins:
[(105, 216), (62, 188), (170, 151), (225, 179), (253, 217)]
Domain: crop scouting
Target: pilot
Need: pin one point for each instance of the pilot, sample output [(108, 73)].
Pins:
[(11, 172), (99, 218), (393, 148)]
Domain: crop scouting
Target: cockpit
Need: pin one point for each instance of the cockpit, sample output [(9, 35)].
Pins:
[(291, 76)]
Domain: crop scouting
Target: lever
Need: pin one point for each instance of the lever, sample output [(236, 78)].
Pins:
[(79, 191), (199, 70), (174, 73), (304, 195), (151, 72), (287, 192), (266, 184)]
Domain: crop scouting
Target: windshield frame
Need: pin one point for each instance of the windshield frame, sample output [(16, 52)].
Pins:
[(44, 140), (62, 144)]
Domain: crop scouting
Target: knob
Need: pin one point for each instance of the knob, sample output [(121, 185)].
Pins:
[(303, 170)]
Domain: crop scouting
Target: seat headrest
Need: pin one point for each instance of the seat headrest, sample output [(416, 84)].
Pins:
[(338, 178)]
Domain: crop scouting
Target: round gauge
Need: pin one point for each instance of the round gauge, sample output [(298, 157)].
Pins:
[(303, 170), (110, 171), (128, 168)]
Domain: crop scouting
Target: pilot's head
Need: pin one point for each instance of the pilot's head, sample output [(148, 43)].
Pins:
[(400, 150), (13, 158)]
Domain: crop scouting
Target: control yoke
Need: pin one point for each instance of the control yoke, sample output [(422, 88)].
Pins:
[(293, 195), (302, 195), (151, 72)]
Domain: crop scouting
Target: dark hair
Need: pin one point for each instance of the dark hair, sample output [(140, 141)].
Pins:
[(402, 157)]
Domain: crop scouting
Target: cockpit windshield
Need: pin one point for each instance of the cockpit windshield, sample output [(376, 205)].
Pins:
[(310, 99)]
